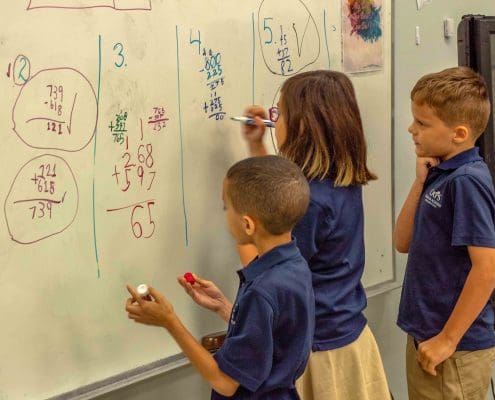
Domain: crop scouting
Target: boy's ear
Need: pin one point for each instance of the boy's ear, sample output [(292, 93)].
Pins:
[(249, 225), (461, 134)]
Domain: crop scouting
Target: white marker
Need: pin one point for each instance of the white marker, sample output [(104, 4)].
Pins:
[(252, 121), (144, 292)]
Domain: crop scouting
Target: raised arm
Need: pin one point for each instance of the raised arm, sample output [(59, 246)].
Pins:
[(404, 226)]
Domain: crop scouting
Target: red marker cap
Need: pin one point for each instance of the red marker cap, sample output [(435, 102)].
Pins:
[(189, 278)]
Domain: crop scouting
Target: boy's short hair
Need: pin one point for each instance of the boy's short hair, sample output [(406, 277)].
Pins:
[(271, 189), (458, 95)]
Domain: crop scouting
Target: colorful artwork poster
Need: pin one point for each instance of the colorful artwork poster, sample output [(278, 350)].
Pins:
[(362, 35)]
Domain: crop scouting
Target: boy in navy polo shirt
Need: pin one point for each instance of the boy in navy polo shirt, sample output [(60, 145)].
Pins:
[(447, 226), (271, 324)]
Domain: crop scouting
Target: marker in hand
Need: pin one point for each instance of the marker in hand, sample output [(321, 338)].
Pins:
[(144, 292), (189, 278), (252, 121)]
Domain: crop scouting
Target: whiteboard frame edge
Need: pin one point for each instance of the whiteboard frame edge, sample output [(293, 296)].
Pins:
[(125, 379), (396, 281)]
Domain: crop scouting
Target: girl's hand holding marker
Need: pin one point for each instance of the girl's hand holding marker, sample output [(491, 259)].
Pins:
[(252, 121)]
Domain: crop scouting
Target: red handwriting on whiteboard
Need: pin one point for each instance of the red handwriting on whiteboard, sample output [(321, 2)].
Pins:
[(135, 169)]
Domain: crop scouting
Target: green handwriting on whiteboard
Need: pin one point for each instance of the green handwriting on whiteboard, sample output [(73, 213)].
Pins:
[(119, 47)]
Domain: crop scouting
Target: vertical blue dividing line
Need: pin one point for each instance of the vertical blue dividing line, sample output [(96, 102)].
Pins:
[(94, 155), (181, 144), (254, 48), (326, 38)]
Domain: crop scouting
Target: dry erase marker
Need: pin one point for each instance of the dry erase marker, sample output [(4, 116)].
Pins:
[(252, 121), (189, 278), (144, 292)]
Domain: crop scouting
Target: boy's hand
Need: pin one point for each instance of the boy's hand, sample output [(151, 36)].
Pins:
[(423, 164), (254, 133), (157, 313), (206, 294), (433, 352)]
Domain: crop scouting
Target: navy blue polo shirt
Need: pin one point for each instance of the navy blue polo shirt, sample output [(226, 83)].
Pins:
[(330, 237), (456, 210), (271, 326)]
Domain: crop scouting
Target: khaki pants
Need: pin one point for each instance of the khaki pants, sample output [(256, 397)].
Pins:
[(352, 372), (464, 376)]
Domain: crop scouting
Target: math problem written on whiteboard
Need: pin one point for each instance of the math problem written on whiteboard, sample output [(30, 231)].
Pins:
[(116, 134)]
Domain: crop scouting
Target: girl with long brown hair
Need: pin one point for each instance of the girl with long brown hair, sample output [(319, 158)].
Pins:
[(318, 126)]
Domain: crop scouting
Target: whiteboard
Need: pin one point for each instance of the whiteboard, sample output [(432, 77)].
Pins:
[(115, 139)]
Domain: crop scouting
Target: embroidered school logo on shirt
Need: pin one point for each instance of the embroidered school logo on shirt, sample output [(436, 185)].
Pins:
[(434, 198)]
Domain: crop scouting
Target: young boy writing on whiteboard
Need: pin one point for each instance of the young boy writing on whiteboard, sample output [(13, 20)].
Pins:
[(271, 323), (447, 226)]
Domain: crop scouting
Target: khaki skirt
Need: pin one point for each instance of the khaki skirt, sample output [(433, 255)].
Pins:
[(352, 372)]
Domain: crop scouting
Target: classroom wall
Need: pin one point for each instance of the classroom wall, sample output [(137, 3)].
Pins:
[(410, 62)]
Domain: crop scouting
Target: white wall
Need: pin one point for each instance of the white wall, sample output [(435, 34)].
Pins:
[(411, 62)]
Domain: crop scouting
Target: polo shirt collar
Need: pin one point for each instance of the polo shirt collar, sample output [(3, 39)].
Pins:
[(268, 260), (460, 159)]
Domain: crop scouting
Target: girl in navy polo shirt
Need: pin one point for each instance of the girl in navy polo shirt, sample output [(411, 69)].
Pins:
[(318, 126)]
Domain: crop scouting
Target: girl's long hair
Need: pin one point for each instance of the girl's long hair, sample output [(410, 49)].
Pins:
[(324, 129)]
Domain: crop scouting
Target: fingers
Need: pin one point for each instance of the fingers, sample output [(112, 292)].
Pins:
[(130, 305), (426, 363), (430, 368), (134, 295), (186, 285), (428, 161), (156, 295), (182, 278), (259, 123), (255, 111), (148, 312), (133, 310), (138, 319), (254, 133), (182, 281), (432, 162), (129, 302), (203, 282)]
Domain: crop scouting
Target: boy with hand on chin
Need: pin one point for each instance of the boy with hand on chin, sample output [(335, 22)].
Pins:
[(447, 225), (271, 323)]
